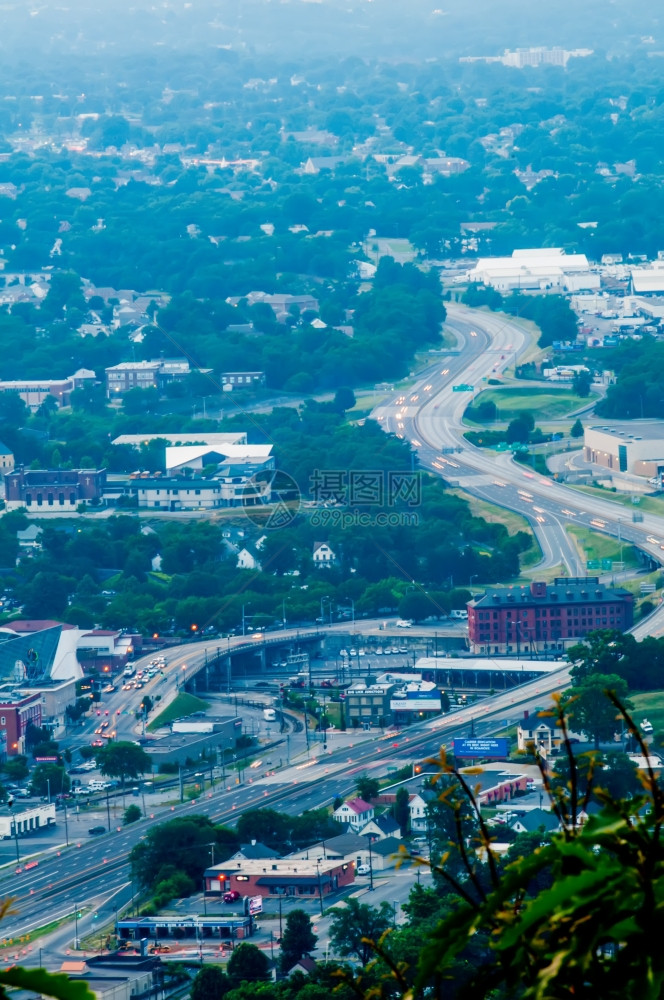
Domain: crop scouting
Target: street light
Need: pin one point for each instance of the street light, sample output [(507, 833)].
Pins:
[(247, 605)]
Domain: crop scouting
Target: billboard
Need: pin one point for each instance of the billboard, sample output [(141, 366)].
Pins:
[(478, 746), (255, 905)]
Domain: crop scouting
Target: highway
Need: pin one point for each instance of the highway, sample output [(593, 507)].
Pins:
[(430, 416), (98, 868)]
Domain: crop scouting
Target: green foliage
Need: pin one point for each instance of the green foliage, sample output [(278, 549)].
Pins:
[(179, 845), (591, 712), (123, 760), (357, 926), (210, 983), (247, 964), (131, 814), (297, 940), (401, 810), (366, 787), (576, 430), (49, 772)]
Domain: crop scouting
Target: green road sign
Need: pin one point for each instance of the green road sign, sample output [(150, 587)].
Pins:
[(594, 564), (607, 564)]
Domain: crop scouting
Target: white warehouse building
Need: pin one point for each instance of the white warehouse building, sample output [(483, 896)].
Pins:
[(635, 446), (548, 269)]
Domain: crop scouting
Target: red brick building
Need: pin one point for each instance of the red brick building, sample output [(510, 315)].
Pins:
[(307, 877), (545, 616), (15, 717)]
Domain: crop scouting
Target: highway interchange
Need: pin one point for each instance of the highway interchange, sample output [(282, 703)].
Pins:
[(430, 416)]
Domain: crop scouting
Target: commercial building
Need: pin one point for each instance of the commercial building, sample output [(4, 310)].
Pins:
[(178, 748), (242, 380), (224, 927), (198, 456), (211, 439), (33, 392), (368, 704), (280, 877), (633, 446), (353, 848), (146, 375), (38, 651), (26, 821), (546, 616), (415, 701), (53, 490), (17, 714), (546, 270)]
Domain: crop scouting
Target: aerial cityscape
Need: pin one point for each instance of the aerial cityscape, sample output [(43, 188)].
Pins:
[(331, 501)]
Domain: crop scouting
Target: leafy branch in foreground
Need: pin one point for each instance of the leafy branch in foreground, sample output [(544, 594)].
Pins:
[(579, 916)]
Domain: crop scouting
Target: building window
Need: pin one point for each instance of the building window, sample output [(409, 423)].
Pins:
[(28, 499), (61, 499), (39, 499), (50, 499), (72, 498)]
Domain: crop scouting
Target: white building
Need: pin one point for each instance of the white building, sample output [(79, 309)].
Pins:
[(323, 555), (548, 269), (636, 447), (178, 494), (197, 456), (246, 560), (27, 820), (356, 813)]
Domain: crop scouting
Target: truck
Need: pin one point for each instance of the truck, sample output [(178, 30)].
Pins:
[(269, 714), (459, 615)]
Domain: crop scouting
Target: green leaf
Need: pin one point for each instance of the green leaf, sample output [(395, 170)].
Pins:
[(52, 984)]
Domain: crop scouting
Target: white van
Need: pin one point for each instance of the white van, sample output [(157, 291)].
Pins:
[(460, 615), (97, 785)]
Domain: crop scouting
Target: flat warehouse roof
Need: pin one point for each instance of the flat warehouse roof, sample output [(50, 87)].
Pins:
[(494, 664), (629, 430)]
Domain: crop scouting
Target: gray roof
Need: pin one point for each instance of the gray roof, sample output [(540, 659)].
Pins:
[(563, 590), (386, 823), (536, 818), (254, 852), (386, 847)]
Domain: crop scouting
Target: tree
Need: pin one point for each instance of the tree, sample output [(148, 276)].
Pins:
[(181, 844), (17, 768), (581, 383), (247, 964), (344, 399), (123, 760), (49, 775), (401, 810), (590, 710), (367, 788), (576, 429), (131, 814), (353, 929), (210, 983), (298, 939)]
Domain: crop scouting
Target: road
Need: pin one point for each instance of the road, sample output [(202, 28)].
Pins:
[(98, 868), (430, 416)]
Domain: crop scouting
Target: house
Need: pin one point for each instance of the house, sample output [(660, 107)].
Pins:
[(305, 965), (351, 848), (6, 458), (535, 819), (385, 853), (541, 732), (255, 851), (417, 809), (381, 827), (323, 555), (356, 813), (245, 560), (29, 538)]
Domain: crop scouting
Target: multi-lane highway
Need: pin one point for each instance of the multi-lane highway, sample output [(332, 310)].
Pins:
[(430, 416), (98, 868)]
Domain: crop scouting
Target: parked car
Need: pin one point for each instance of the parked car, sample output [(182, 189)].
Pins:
[(95, 831), (363, 870), (232, 897)]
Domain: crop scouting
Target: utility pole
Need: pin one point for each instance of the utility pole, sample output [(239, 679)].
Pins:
[(371, 885), (64, 804)]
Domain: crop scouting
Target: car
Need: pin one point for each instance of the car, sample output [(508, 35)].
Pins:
[(363, 870), (378, 650), (81, 791), (402, 649), (353, 652), (326, 684), (404, 623), (97, 743), (96, 831), (232, 897), (343, 652)]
